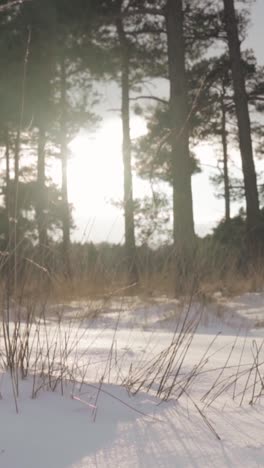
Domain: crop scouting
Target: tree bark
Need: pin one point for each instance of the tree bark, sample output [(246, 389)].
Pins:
[(183, 224), (243, 119), (64, 180), (130, 244)]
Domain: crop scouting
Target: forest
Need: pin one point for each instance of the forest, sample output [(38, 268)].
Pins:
[(147, 351), (55, 57)]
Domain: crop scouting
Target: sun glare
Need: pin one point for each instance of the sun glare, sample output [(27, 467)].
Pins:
[(95, 170)]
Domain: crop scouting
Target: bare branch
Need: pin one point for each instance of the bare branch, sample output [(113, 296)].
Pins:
[(155, 98), (12, 4), (145, 11)]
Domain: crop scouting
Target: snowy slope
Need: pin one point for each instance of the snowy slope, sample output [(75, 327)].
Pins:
[(104, 426)]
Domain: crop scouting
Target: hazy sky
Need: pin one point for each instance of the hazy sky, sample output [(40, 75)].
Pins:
[(95, 171), (256, 36)]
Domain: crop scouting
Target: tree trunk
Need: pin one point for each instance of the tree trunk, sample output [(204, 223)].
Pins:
[(242, 112), (8, 245), (130, 244), (14, 233), (64, 180), (43, 61), (7, 198), (183, 225), (225, 159), (41, 204)]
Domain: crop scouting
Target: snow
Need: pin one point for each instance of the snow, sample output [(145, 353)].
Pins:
[(100, 424)]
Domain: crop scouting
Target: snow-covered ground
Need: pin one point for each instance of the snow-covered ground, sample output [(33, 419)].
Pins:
[(92, 419)]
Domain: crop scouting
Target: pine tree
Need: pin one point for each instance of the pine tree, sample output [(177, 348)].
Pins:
[(243, 119), (130, 243), (183, 226)]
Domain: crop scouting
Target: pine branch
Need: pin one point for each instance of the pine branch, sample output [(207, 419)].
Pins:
[(146, 31)]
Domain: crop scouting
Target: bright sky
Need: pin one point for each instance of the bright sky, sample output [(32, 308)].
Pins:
[(96, 180), (96, 172)]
